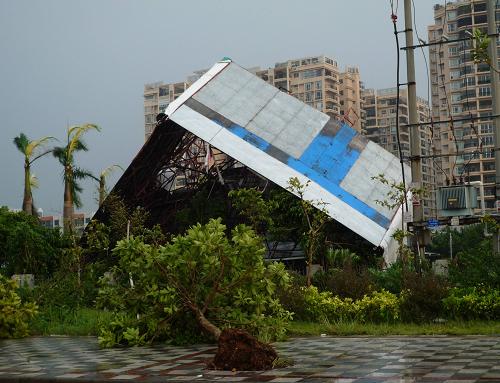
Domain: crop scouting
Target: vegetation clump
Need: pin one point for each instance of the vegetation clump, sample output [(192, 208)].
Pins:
[(14, 313), (204, 279)]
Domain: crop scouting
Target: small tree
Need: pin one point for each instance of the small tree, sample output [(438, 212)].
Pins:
[(315, 217), (252, 206), (396, 198), (102, 189), (14, 314), (219, 281), (72, 174), (32, 151), (479, 52)]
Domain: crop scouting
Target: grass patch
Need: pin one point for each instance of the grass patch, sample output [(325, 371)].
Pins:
[(59, 321), (297, 328), (86, 321)]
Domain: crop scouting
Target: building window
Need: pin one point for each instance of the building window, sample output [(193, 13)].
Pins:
[(486, 128), (488, 166), (308, 85), (318, 84), (484, 91), (487, 140), (319, 95)]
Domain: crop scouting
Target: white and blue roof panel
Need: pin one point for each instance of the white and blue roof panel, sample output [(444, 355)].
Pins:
[(280, 137)]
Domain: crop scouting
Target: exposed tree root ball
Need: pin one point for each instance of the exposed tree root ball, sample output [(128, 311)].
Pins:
[(238, 350)]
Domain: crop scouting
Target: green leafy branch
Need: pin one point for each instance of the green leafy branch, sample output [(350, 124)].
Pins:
[(479, 52)]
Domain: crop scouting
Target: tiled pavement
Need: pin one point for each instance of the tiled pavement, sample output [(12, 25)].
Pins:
[(321, 359)]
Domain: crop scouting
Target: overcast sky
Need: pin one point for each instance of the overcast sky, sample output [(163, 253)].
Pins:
[(72, 62)]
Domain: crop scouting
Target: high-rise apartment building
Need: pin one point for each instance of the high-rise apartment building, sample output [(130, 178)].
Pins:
[(317, 81), (156, 98), (351, 99), (380, 110), (461, 89)]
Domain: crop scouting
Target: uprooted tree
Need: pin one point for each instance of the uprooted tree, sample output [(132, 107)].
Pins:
[(204, 279)]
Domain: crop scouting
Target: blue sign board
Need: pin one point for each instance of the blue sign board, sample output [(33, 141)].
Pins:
[(432, 222)]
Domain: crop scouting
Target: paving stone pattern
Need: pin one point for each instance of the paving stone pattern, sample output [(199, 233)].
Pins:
[(318, 359)]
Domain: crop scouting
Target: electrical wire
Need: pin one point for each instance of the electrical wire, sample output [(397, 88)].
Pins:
[(473, 127), (394, 19), (443, 86), (431, 126)]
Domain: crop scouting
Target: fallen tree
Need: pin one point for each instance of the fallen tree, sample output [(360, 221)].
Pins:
[(203, 280)]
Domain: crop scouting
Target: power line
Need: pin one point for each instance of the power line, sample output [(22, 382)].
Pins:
[(479, 139), (440, 122), (483, 151), (443, 86), (394, 19), (433, 184), (442, 42)]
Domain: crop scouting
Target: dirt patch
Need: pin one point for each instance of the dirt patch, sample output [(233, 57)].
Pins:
[(238, 350)]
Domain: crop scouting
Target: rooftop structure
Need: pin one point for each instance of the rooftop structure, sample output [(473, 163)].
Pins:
[(273, 135)]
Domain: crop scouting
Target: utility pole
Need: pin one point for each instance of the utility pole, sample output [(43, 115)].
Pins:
[(495, 97), (415, 151)]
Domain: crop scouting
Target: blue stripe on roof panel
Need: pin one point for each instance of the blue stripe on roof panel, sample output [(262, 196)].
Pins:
[(249, 137), (331, 156), (336, 190), (326, 161)]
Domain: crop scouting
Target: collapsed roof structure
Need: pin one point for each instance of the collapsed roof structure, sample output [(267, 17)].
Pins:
[(254, 126)]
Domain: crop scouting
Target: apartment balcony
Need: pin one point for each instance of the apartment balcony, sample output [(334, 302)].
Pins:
[(330, 109), (332, 89), (333, 98)]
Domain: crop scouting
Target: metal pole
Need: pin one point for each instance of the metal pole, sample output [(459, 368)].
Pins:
[(416, 169), (495, 98), (481, 195), (451, 245)]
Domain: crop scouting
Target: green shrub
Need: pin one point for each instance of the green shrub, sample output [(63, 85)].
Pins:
[(339, 258), (202, 274), (324, 307), (346, 282), (26, 247), (422, 295), (479, 302), (475, 266), (292, 297), (72, 286), (379, 306), (390, 279), (14, 314)]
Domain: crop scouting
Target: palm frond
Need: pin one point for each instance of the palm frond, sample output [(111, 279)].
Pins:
[(80, 145), (75, 133), (59, 152), (34, 181), (106, 172), (80, 174), (76, 189), (35, 144), (21, 142)]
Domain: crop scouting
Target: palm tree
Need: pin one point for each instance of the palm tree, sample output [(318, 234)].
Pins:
[(31, 151), (72, 174), (102, 181)]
